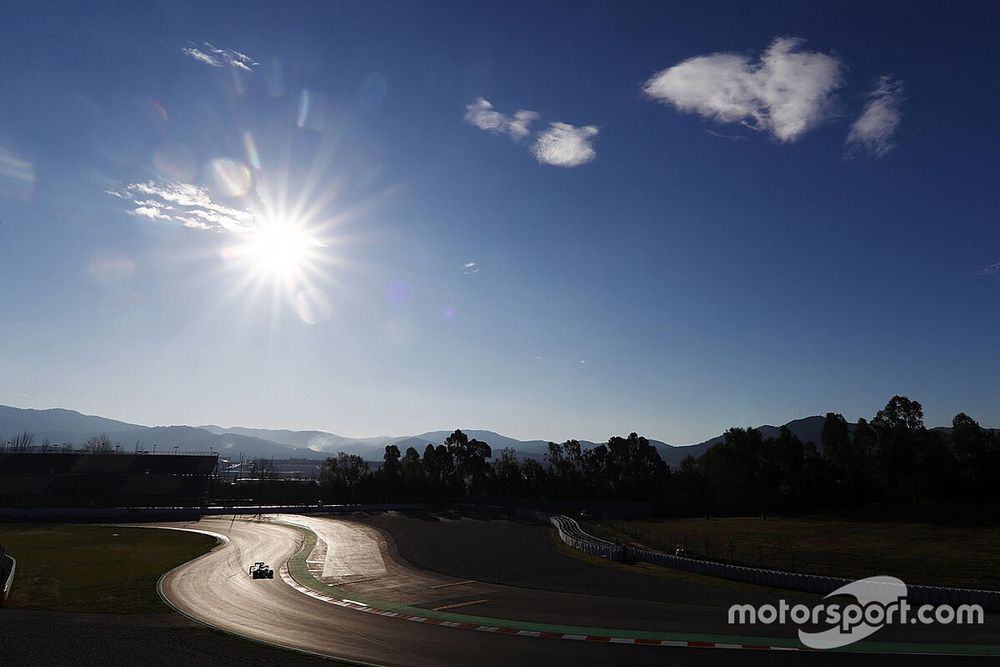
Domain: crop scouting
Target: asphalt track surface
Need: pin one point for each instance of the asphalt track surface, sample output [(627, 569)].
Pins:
[(215, 589)]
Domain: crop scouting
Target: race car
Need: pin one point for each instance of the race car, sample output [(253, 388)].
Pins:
[(260, 570)]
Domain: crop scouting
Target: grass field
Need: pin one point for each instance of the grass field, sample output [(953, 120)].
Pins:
[(917, 553), (95, 568)]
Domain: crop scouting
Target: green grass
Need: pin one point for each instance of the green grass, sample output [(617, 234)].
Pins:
[(95, 568), (917, 553), (661, 572)]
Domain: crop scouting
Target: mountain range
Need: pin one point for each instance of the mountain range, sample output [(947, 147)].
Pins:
[(60, 426)]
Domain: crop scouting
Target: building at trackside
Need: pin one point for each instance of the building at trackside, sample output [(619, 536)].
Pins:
[(77, 479)]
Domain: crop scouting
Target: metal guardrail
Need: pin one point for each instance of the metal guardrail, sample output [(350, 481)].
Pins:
[(8, 565), (571, 533)]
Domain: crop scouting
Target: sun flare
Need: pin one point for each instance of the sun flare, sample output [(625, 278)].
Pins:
[(286, 250), (279, 254), (280, 248)]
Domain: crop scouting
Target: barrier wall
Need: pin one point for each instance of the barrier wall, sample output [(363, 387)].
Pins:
[(571, 533), (141, 514), (7, 567)]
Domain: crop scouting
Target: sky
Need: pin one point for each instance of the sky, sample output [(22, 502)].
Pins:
[(547, 219)]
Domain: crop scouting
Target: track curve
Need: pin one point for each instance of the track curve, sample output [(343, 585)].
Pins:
[(216, 590)]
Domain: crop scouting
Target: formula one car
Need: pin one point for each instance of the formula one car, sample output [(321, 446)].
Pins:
[(260, 570)]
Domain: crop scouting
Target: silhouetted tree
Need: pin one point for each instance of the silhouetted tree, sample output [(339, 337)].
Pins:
[(899, 427), (413, 474), (471, 469), (836, 440), (507, 473), (390, 474), (22, 442), (98, 444), (968, 439), (341, 478), (534, 478)]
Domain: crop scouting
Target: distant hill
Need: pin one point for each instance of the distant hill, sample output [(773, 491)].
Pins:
[(19, 420), (494, 440), (60, 426), (319, 442), (68, 426), (807, 429)]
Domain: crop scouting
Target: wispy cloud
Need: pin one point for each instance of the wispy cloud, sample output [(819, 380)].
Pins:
[(786, 93), (482, 115), (990, 270), (216, 57), (565, 145), (874, 129), (183, 203), (721, 135), (469, 268)]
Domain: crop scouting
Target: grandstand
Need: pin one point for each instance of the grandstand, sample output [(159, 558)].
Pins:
[(78, 479)]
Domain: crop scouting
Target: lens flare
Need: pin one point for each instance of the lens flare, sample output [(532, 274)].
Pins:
[(111, 267), (373, 90), (17, 177), (250, 146), (174, 162), (304, 103), (312, 306), (230, 177)]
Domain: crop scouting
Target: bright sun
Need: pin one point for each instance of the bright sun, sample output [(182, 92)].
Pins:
[(279, 248), (280, 253), (285, 255)]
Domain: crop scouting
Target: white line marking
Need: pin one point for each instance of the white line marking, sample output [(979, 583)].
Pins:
[(455, 583), (460, 604)]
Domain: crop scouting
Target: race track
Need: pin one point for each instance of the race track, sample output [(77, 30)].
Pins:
[(215, 589)]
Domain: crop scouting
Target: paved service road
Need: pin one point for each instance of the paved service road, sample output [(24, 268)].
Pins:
[(216, 589)]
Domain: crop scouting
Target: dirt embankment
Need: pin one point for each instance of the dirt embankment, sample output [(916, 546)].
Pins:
[(528, 554)]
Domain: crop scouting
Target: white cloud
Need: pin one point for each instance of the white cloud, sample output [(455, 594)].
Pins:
[(201, 56), (183, 203), (565, 145), (482, 115), (562, 144), (787, 92), (990, 270), (872, 132), (221, 57), (151, 212)]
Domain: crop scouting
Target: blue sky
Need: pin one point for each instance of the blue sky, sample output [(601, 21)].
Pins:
[(549, 219)]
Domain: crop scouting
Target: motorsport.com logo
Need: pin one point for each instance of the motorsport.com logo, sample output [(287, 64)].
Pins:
[(880, 601)]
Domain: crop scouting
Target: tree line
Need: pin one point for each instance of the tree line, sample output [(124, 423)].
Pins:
[(22, 443), (891, 458)]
